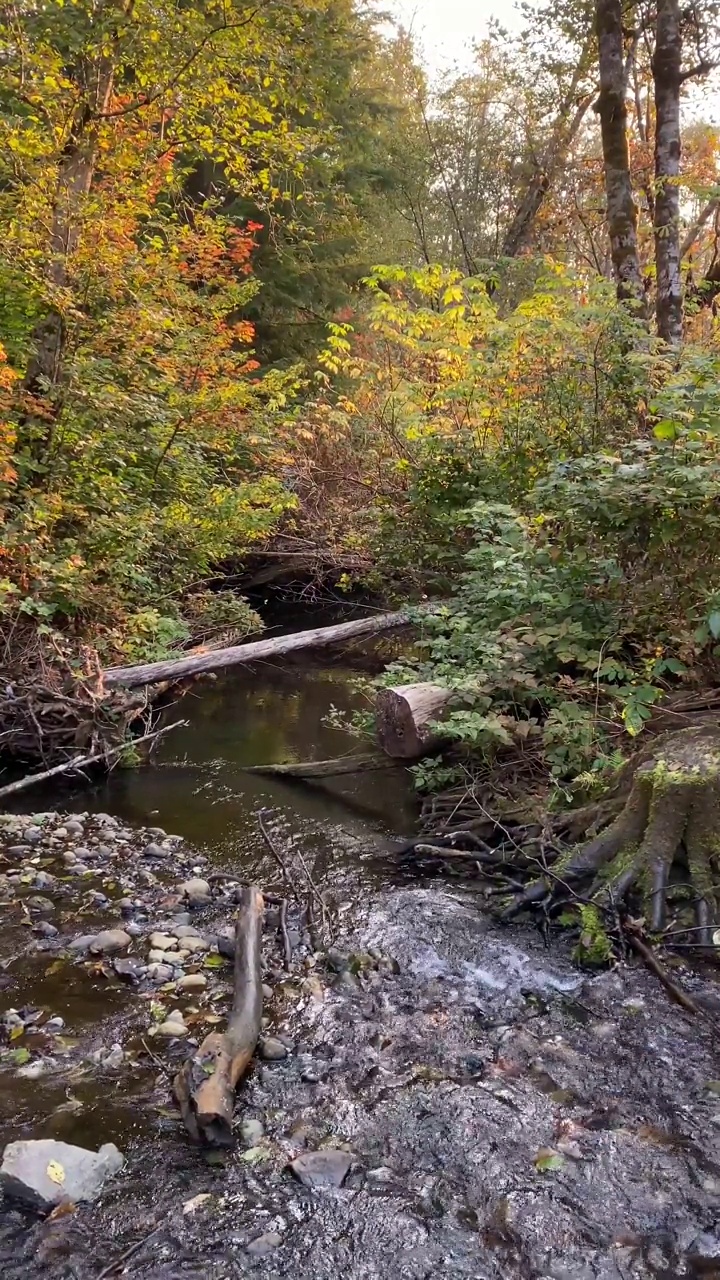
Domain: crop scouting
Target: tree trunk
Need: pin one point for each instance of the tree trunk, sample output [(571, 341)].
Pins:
[(666, 69), (564, 131), (612, 108), (671, 816), (405, 719)]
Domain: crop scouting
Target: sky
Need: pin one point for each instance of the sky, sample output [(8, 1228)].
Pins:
[(446, 28)]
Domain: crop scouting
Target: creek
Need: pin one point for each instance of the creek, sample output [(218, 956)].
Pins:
[(506, 1114)]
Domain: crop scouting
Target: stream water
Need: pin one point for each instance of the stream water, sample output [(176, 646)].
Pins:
[(446, 1058)]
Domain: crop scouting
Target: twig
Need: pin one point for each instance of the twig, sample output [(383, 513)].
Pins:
[(81, 762), (653, 964), (129, 1253), (282, 926), (154, 1058)]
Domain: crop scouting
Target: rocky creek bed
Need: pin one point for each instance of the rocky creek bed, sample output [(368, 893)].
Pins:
[(458, 1100)]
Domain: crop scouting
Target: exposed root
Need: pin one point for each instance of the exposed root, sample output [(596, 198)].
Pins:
[(670, 819)]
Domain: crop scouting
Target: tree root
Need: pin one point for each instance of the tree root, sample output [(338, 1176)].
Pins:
[(669, 819)]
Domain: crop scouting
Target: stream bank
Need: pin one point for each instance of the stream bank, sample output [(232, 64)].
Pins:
[(505, 1114)]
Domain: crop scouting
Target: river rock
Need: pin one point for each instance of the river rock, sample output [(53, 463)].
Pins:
[(264, 1244), (160, 972), (110, 940), (164, 957), (154, 851), (82, 943), (171, 1029), (192, 982), (32, 835), (193, 945), (74, 828), (327, 1168), (42, 906), (251, 1131), (45, 930), (196, 891), (273, 1050), (128, 969), (162, 942), (44, 1173), (185, 931)]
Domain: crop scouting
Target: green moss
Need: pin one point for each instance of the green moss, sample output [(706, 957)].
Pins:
[(594, 946)]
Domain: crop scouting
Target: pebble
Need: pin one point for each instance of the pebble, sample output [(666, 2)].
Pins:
[(74, 828), (327, 1168), (54, 1024), (160, 972), (162, 942), (196, 891), (32, 835), (153, 851), (82, 943), (264, 1244), (273, 1050), (45, 929), (251, 1131), (185, 931), (164, 957), (133, 929), (192, 982), (128, 969), (110, 940), (192, 945), (171, 1030)]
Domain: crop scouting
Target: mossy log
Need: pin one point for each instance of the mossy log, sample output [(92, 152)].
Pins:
[(671, 815)]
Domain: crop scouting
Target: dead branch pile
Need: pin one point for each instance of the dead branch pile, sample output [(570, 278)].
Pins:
[(54, 706)]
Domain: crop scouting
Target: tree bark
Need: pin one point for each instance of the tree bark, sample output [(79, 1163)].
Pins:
[(321, 637), (666, 69), (612, 108), (405, 719), (205, 1087)]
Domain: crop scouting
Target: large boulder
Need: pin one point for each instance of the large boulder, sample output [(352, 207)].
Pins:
[(43, 1173)]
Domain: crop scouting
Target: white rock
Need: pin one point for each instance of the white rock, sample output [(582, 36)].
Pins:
[(44, 1173)]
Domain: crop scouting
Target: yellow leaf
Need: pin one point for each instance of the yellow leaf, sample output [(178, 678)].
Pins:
[(55, 1172)]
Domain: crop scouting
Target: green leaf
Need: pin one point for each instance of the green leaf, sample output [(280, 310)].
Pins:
[(547, 1160), (666, 430), (714, 624), (213, 962)]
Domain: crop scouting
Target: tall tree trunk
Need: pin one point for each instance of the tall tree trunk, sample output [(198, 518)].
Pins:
[(667, 78), (612, 108), (564, 131)]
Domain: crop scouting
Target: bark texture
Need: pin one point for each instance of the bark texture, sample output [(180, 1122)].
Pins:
[(612, 108), (406, 719), (667, 78)]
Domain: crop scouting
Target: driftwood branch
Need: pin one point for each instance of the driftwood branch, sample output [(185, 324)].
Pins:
[(258, 650), (205, 1087), (321, 768), (81, 762)]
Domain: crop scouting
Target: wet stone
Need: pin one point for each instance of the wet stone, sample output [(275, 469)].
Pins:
[(45, 930), (26, 1171), (322, 1168), (74, 828), (110, 940), (43, 906), (196, 891), (82, 943), (273, 1050), (251, 1131), (154, 851), (128, 969), (192, 982), (160, 972), (264, 1244)]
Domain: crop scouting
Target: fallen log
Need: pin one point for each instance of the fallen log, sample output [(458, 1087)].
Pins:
[(321, 768), (205, 1086), (405, 719), (258, 650)]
